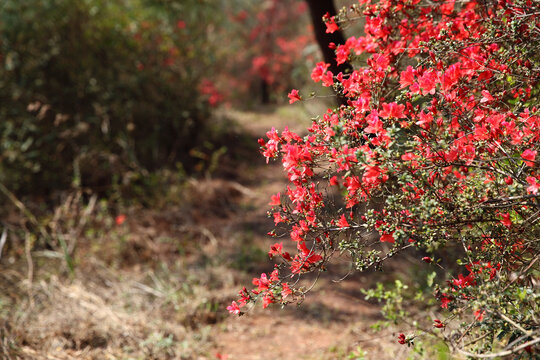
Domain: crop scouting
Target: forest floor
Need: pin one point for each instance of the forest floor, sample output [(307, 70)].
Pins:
[(156, 286)]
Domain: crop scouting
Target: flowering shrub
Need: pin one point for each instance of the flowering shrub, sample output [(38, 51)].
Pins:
[(436, 148)]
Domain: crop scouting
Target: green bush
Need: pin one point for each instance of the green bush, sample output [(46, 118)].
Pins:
[(94, 90)]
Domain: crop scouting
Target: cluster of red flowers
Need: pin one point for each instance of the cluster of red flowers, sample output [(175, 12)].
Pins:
[(441, 121), (209, 90)]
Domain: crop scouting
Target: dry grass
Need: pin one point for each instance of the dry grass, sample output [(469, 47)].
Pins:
[(100, 313), (150, 288)]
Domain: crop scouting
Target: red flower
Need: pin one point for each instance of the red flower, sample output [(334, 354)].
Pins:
[(318, 71), (388, 238), (120, 219), (406, 78), (275, 249), (506, 220), (331, 25), (342, 223), (486, 97), (534, 185), (428, 82), (424, 120), (342, 54), (328, 79), (401, 339), (234, 308), (379, 62), (267, 299), (463, 281), (278, 218), (293, 96), (438, 323), (286, 290), (529, 155), (447, 7), (427, 259), (451, 76), (479, 314), (445, 300), (392, 110), (274, 276), (262, 283), (275, 200)]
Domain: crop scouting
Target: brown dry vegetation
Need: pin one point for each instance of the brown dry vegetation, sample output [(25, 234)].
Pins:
[(156, 287)]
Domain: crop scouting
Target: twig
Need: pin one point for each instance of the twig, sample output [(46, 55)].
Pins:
[(522, 272), (519, 339), (148, 289), (3, 241), (502, 353), (516, 325), (30, 264), (24, 210), (465, 248), (477, 339)]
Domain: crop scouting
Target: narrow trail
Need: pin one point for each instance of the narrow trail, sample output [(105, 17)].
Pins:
[(334, 320)]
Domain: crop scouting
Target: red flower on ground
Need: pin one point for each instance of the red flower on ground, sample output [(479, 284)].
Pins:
[(120, 219)]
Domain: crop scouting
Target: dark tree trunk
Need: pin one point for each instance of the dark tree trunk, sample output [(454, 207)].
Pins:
[(265, 92), (317, 9)]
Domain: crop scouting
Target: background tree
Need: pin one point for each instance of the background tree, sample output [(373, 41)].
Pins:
[(325, 35)]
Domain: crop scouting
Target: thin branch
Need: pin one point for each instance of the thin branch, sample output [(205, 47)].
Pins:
[(28, 244), (502, 353), (512, 322), (3, 241)]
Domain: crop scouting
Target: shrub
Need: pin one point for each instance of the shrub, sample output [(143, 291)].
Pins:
[(436, 149), (94, 89)]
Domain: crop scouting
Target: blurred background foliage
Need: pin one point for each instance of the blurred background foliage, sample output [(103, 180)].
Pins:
[(92, 91), (99, 92)]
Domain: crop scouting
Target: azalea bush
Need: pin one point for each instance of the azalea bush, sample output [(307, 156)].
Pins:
[(435, 150)]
